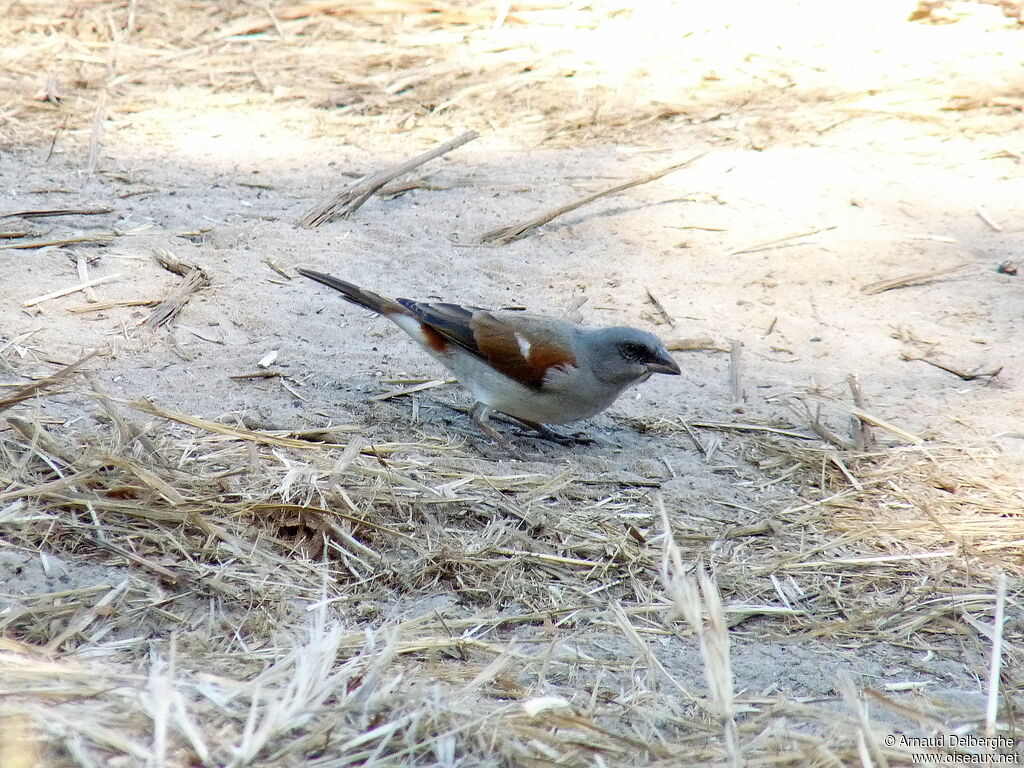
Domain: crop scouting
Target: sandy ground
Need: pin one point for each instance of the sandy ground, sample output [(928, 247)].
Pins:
[(837, 153)]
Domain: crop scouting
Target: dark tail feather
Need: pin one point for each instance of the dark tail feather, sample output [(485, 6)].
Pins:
[(355, 294)]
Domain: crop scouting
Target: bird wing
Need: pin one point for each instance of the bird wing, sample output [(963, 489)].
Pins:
[(523, 347)]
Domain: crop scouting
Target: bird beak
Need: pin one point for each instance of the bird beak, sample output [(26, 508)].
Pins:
[(664, 364)]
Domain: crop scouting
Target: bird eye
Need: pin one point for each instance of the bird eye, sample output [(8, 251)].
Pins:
[(632, 351)]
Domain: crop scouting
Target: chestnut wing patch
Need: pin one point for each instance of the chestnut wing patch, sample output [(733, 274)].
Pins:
[(501, 344), (526, 358), (451, 321)]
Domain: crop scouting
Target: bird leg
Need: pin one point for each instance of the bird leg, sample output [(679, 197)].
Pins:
[(546, 433), (479, 414)]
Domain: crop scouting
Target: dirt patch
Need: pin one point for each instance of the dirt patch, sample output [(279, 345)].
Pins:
[(206, 561)]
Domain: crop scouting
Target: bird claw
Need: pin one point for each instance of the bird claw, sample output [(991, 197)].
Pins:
[(545, 432), (577, 438)]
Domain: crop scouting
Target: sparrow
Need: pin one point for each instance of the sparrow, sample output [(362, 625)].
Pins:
[(536, 369)]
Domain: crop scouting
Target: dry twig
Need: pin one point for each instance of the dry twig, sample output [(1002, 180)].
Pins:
[(659, 308), (860, 430), (73, 289), (350, 199), (41, 214), (778, 241), (31, 390), (196, 278), (972, 376), (505, 235), (736, 374), (104, 237), (917, 278)]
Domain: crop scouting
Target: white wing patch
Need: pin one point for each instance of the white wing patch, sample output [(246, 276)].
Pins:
[(524, 346)]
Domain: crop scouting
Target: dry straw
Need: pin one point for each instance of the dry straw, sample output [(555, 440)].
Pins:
[(251, 597), (256, 592)]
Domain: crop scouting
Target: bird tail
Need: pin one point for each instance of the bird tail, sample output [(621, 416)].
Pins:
[(355, 294)]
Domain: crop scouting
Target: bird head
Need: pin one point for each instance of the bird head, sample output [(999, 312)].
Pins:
[(628, 355)]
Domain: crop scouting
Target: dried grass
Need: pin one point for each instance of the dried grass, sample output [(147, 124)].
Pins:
[(266, 612), (385, 67), (276, 599)]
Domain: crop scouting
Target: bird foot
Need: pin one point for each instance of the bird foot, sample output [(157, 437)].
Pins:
[(545, 432), (480, 414)]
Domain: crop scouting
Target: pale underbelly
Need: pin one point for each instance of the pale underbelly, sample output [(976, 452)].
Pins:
[(556, 406)]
